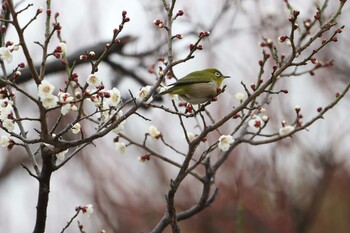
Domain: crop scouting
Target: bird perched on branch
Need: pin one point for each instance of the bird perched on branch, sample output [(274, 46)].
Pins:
[(197, 87)]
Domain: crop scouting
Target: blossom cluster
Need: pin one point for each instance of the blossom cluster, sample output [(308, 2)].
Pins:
[(7, 120), (6, 54), (67, 100)]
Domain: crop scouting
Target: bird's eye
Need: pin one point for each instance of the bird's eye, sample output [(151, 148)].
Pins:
[(217, 74)]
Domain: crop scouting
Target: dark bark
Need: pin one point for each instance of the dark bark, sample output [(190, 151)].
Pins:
[(48, 165)]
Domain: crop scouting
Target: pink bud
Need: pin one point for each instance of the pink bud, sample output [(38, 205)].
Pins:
[(317, 15), (178, 36), (83, 57)]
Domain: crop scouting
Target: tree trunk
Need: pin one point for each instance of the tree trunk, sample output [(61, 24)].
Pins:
[(48, 163)]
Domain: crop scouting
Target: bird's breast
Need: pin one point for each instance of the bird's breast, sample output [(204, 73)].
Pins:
[(200, 92)]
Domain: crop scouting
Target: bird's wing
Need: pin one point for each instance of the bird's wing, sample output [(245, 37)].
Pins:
[(192, 78)]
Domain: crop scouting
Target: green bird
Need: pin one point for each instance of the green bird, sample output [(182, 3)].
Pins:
[(197, 87)]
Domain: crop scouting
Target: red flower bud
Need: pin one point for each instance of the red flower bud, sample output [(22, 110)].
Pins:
[(236, 116), (179, 36), (74, 77), (339, 30), (317, 15), (21, 65), (124, 13), (296, 13), (253, 86), (180, 13), (199, 47)]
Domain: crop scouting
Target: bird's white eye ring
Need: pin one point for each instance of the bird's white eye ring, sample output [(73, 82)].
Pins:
[(217, 74)]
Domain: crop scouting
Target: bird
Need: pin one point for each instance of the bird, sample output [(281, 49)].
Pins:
[(197, 87)]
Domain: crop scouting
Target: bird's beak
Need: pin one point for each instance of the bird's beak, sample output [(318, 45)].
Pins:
[(227, 76)]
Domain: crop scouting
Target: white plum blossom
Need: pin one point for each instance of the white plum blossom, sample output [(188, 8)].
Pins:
[(94, 80), (76, 128), (17, 73), (87, 209), (144, 91), (191, 136), (120, 147), (261, 109), (95, 99), (65, 109), (5, 141), (105, 112), (5, 54), (8, 124), (49, 101), (114, 98), (255, 123), (45, 89), (15, 47), (153, 132), (119, 127), (239, 96), (73, 107), (265, 118), (61, 155), (225, 142), (286, 130), (63, 47), (6, 109), (64, 97)]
